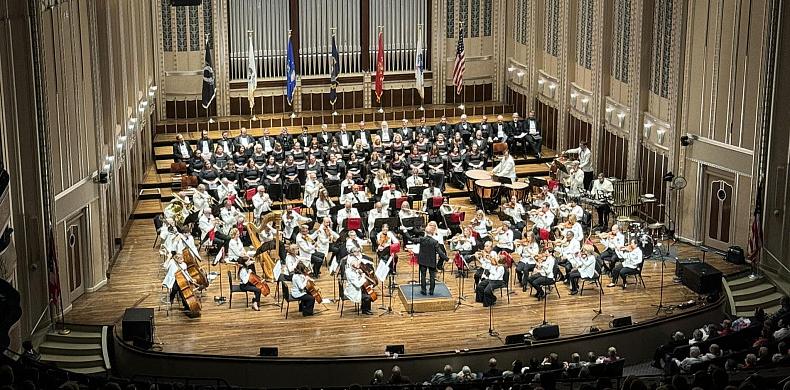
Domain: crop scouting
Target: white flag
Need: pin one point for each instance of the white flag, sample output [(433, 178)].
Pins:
[(419, 65), (252, 76)]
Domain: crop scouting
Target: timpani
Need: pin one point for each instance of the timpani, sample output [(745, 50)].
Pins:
[(474, 175), (518, 189), (487, 190)]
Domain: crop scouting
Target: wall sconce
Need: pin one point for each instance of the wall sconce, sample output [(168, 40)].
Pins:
[(541, 81), (574, 95), (585, 101), (511, 68), (132, 125), (620, 119), (646, 131), (609, 110), (552, 88), (660, 134)]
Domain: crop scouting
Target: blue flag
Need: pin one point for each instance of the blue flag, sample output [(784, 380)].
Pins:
[(335, 72), (290, 73)]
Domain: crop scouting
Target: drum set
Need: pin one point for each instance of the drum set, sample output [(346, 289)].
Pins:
[(649, 236)]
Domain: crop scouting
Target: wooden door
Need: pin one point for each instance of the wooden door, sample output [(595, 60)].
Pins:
[(718, 211), (76, 259)]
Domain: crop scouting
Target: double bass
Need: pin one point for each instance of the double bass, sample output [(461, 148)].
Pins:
[(189, 295), (195, 271)]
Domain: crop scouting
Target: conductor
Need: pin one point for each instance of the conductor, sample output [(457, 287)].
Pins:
[(428, 251)]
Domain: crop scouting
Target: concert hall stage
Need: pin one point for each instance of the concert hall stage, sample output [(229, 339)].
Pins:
[(239, 331)]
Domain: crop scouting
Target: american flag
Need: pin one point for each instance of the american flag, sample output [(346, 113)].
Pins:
[(756, 233), (460, 63)]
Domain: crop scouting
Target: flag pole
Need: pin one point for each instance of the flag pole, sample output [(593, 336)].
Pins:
[(381, 105), (210, 118), (419, 37), (252, 101), (461, 106), (332, 32)]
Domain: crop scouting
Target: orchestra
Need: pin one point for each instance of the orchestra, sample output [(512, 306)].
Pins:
[(377, 175)]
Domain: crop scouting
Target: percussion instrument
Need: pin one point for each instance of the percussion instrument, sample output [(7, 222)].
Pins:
[(655, 226), (646, 243), (474, 175), (487, 189), (499, 147), (518, 189)]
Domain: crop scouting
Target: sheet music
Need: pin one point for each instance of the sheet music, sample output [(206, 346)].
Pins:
[(383, 269), (278, 270), (220, 255), (415, 248)]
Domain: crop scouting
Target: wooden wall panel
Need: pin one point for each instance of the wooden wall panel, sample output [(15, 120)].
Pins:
[(652, 167), (613, 152), (578, 130), (189, 109), (547, 115), (471, 93)]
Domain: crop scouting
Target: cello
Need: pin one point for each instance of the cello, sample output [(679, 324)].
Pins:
[(257, 281), (313, 290), (371, 281), (189, 295)]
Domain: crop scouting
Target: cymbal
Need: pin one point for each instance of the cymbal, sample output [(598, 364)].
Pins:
[(625, 218), (649, 196), (654, 226), (648, 200)]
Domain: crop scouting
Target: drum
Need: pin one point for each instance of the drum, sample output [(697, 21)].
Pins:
[(487, 189), (518, 189), (647, 244), (474, 175)]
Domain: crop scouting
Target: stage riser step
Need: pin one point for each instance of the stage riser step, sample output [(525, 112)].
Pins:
[(764, 301), (74, 361), (753, 292), (745, 282), (749, 313), (76, 337), (55, 348)]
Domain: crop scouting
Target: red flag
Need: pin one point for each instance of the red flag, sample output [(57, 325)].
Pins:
[(380, 68), (52, 268)]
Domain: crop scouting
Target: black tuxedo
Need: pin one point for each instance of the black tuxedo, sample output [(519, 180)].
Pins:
[(339, 137), (228, 145), (324, 139), (205, 143), (429, 250), (265, 139), (424, 130), (535, 141), (286, 140), (467, 132), (485, 128), (441, 129), (363, 134), (305, 139), (389, 132), (407, 133), (249, 138), (177, 156)]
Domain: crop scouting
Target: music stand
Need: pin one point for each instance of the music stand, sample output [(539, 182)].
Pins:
[(461, 277), (416, 191)]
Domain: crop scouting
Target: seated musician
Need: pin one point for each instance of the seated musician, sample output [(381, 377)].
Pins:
[(405, 213), (209, 228), (430, 192), (251, 174), (464, 245), (583, 267), (201, 198), (363, 135), (630, 265), (516, 133), (266, 235), (602, 190), (505, 171), (543, 274), (261, 202), (182, 151), (347, 184), (354, 242), (332, 172), (484, 258), (346, 212), (391, 193), (515, 211), (490, 281), (383, 240), (228, 216), (226, 188), (245, 269), (532, 127), (504, 238), (569, 248), (290, 261), (299, 283), (171, 238), (527, 248), (291, 221), (481, 225), (355, 279), (415, 180), (311, 188), (378, 212), (612, 241), (571, 208), (573, 225), (499, 131), (307, 249), (551, 199), (356, 195), (323, 204), (325, 238), (176, 264), (543, 219), (315, 160), (236, 252), (437, 234)]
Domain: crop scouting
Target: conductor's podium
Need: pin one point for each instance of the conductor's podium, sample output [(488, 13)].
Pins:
[(441, 299)]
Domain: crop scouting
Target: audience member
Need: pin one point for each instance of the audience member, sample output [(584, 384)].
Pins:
[(396, 378), (378, 378), (493, 371), (693, 358), (466, 374), (446, 376), (783, 331)]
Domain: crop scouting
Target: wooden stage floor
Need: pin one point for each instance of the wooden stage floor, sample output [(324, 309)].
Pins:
[(136, 282)]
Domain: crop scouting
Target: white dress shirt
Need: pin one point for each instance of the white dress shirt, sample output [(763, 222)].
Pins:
[(236, 249), (506, 168), (311, 188), (344, 214), (528, 252), (585, 165), (515, 212), (602, 190), (306, 246), (632, 259), (262, 204), (172, 267), (298, 285), (429, 193), (586, 266), (388, 195), (375, 214), (505, 239), (614, 243)]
